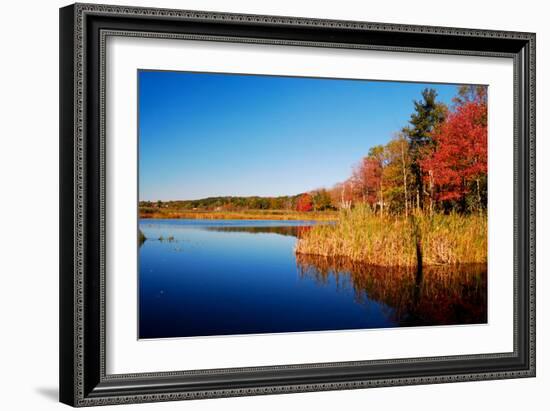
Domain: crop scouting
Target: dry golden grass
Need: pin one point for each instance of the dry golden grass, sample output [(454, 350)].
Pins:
[(238, 215), (363, 236)]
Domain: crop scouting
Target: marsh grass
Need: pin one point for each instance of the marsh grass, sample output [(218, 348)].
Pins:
[(363, 236), (172, 213)]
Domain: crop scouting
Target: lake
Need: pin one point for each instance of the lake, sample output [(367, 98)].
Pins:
[(222, 277)]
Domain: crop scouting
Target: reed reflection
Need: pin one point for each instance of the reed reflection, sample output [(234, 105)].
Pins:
[(293, 231), (435, 295)]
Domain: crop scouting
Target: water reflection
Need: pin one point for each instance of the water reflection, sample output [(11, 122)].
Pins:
[(436, 295), (293, 231)]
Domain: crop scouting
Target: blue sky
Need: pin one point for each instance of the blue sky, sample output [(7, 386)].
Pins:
[(203, 135)]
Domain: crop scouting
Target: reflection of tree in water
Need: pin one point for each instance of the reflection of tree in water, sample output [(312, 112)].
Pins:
[(294, 231), (439, 295)]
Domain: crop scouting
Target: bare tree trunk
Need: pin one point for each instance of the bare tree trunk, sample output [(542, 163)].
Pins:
[(431, 192), (478, 196), (381, 194), (404, 179), (381, 201), (345, 204)]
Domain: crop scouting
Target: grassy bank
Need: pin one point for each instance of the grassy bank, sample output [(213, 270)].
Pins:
[(237, 215), (392, 241)]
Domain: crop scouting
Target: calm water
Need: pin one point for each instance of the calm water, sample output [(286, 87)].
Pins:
[(219, 277)]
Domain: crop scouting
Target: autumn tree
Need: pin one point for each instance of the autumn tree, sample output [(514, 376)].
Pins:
[(375, 163), (366, 181), (372, 169), (428, 113), (359, 186), (305, 203), (460, 162)]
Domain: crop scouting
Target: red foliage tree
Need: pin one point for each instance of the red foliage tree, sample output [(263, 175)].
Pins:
[(366, 180), (372, 171), (460, 158), (305, 203)]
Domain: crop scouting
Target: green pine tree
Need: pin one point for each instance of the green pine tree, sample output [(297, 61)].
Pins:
[(428, 113)]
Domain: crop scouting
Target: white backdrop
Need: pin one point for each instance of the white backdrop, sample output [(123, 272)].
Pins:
[(29, 205)]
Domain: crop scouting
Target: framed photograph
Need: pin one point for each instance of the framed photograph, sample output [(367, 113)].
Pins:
[(261, 204)]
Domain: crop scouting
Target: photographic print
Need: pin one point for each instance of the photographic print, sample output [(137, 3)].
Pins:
[(277, 204)]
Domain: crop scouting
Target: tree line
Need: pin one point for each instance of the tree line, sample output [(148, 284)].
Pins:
[(435, 163), (229, 203)]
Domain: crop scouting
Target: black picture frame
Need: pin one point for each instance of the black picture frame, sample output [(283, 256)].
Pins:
[(83, 29)]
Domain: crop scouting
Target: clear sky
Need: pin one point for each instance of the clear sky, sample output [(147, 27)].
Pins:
[(203, 135)]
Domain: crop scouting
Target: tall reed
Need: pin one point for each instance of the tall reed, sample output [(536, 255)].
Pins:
[(361, 235)]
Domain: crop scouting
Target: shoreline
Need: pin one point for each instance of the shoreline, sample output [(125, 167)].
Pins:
[(240, 215), (414, 267)]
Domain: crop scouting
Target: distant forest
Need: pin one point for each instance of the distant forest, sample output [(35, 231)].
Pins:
[(322, 201)]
